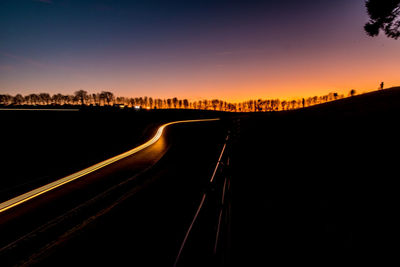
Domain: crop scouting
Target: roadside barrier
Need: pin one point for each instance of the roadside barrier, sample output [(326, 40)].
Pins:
[(218, 190)]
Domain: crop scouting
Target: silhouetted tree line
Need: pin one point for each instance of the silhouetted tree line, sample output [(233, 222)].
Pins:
[(106, 98)]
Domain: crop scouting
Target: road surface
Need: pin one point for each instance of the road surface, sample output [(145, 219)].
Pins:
[(134, 210)]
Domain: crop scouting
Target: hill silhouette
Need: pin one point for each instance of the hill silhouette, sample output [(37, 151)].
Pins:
[(317, 185), (386, 100)]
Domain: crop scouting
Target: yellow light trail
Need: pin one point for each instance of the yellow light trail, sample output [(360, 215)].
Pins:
[(46, 188)]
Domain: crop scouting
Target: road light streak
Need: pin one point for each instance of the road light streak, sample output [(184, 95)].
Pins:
[(46, 188)]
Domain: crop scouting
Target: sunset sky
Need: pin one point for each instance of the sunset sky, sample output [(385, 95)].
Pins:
[(232, 50)]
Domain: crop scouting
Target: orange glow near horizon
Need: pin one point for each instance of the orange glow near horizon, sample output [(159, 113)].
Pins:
[(300, 76), (311, 51), (258, 60), (239, 87)]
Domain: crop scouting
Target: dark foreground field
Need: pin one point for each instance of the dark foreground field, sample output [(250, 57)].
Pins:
[(318, 186), (315, 186), (133, 212)]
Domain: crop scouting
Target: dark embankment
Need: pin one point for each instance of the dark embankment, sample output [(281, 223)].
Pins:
[(317, 186), (41, 146)]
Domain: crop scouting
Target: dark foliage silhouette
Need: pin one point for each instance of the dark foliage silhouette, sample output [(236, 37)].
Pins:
[(384, 15)]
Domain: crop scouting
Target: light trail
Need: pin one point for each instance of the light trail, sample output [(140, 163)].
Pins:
[(46, 188)]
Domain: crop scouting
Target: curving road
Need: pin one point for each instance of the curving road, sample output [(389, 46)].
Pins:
[(154, 188), (51, 186)]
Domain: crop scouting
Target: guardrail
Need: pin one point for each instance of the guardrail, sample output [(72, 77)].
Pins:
[(224, 206)]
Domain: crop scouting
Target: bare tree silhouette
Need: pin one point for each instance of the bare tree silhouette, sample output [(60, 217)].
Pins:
[(335, 96), (44, 98), (18, 99), (283, 104), (81, 95), (214, 103), (175, 101), (107, 97)]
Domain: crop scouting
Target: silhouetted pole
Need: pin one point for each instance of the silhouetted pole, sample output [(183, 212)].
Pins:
[(382, 84)]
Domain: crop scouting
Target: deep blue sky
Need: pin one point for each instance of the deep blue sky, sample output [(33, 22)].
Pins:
[(221, 48)]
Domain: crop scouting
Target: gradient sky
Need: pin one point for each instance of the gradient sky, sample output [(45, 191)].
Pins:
[(232, 50)]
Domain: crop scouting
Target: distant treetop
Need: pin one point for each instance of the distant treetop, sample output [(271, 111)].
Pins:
[(384, 15)]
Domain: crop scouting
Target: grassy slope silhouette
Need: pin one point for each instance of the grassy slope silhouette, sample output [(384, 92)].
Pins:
[(318, 185)]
